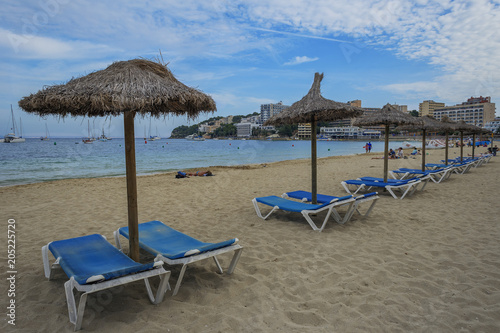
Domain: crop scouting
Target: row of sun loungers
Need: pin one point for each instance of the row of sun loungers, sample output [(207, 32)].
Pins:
[(93, 264), (405, 182)]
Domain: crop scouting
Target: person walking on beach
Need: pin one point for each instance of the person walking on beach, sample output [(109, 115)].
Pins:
[(369, 146), (366, 147)]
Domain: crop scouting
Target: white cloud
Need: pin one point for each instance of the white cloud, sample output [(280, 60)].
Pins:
[(459, 38), (300, 60)]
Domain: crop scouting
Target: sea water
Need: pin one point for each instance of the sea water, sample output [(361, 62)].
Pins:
[(38, 161)]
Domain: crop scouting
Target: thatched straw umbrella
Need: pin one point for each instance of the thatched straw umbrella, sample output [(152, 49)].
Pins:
[(428, 123), (310, 109), (131, 87), (388, 116)]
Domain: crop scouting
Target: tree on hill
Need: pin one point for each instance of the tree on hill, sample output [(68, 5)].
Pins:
[(183, 131), (226, 130)]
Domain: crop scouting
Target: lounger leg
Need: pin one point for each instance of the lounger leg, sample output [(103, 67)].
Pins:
[(218, 265), (162, 287), (389, 189), (257, 210), (234, 261), (179, 280), (374, 201), (46, 264), (75, 317), (349, 213), (117, 240), (346, 187), (310, 221)]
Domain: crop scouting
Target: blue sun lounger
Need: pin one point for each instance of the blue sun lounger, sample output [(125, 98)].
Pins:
[(436, 175), (93, 264), (407, 187), (175, 248), (304, 208), (306, 196)]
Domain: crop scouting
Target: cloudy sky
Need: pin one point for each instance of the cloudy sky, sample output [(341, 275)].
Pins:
[(245, 53)]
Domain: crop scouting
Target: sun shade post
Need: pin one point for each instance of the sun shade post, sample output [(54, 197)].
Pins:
[(446, 150), (133, 216), (461, 146), (473, 143), (314, 166), (386, 153), (423, 149)]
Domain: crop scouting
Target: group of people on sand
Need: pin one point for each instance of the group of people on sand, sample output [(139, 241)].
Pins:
[(400, 154)]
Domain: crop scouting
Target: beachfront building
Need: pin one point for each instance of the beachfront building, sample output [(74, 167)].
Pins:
[(402, 108), (426, 108), (269, 110), (204, 128), (244, 130), (251, 119), (348, 132), (304, 131), (475, 111), (493, 125)]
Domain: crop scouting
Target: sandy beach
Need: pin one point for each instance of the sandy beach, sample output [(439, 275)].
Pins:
[(428, 263)]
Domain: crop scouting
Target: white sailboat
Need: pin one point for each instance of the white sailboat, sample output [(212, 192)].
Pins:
[(88, 139), (153, 137), (46, 138), (194, 137), (11, 137)]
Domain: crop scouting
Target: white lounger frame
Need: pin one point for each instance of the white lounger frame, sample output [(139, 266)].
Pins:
[(436, 177), (76, 316), (351, 209), (331, 212), (237, 248), (406, 189)]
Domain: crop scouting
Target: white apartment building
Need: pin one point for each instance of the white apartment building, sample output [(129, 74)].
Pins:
[(493, 125), (350, 132), (476, 111), (269, 110)]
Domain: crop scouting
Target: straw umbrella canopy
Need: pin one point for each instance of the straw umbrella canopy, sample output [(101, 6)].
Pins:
[(131, 87), (310, 109), (430, 124), (387, 116)]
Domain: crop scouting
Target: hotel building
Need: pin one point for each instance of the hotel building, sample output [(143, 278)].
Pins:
[(304, 131), (426, 108), (269, 110), (476, 111)]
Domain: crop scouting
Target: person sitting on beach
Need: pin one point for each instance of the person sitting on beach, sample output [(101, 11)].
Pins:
[(414, 152), (392, 153), (181, 174), (400, 153)]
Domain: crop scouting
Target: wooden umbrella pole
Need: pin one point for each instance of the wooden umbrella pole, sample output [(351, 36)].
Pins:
[(461, 146), (386, 153), (423, 150), (446, 150), (473, 143), (314, 175), (133, 216)]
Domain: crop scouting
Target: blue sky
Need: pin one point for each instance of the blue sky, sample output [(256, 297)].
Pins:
[(245, 53)]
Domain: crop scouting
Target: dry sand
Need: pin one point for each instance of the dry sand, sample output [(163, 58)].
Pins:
[(428, 263)]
